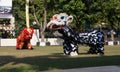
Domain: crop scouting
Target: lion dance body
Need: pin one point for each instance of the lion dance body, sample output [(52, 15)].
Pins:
[(23, 40), (60, 25)]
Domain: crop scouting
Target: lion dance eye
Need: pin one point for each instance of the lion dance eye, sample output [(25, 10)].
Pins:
[(62, 17)]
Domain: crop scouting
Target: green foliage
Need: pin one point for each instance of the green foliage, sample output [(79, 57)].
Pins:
[(91, 12)]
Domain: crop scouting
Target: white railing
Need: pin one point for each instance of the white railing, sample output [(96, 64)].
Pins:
[(12, 42), (35, 41)]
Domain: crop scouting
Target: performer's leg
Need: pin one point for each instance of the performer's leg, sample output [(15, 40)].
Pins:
[(66, 48), (100, 43), (70, 48), (21, 45), (17, 45), (101, 49), (29, 46), (20, 42), (92, 50), (74, 49)]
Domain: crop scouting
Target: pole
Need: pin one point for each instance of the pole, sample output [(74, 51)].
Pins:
[(27, 14), (0, 41)]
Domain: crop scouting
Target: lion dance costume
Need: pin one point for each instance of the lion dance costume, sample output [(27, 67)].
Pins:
[(60, 25), (23, 40)]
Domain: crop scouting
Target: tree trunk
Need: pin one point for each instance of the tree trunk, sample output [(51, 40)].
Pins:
[(44, 24), (112, 35), (112, 31), (42, 37)]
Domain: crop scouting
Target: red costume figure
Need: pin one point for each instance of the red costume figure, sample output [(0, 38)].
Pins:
[(23, 40)]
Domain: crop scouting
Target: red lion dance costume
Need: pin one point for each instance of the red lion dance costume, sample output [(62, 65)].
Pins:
[(23, 40)]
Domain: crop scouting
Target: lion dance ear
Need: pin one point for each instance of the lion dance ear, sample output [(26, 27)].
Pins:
[(52, 20), (69, 20)]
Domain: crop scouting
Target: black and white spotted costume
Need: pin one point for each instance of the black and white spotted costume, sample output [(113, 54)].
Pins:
[(94, 39), (70, 40)]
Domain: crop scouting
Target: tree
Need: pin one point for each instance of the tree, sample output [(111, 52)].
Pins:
[(91, 12), (41, 25), (19, 14)]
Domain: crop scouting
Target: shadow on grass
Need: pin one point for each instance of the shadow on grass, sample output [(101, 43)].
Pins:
[(56, 61)]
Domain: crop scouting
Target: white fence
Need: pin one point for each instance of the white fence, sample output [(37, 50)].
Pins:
[(52, 41), (12, 42), (34, 41)]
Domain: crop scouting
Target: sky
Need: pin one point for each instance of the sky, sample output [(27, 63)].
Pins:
[(6, 3)]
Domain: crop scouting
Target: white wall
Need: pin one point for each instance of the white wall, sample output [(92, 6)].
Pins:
[(34, 40), (7, 42), (12, 42)]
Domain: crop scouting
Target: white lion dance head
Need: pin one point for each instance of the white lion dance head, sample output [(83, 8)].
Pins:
[(58, 20)]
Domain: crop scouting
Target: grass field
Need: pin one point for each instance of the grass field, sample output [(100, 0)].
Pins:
[(50, 58)]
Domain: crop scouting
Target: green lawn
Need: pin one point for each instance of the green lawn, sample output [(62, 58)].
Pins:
[(51, 58)]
